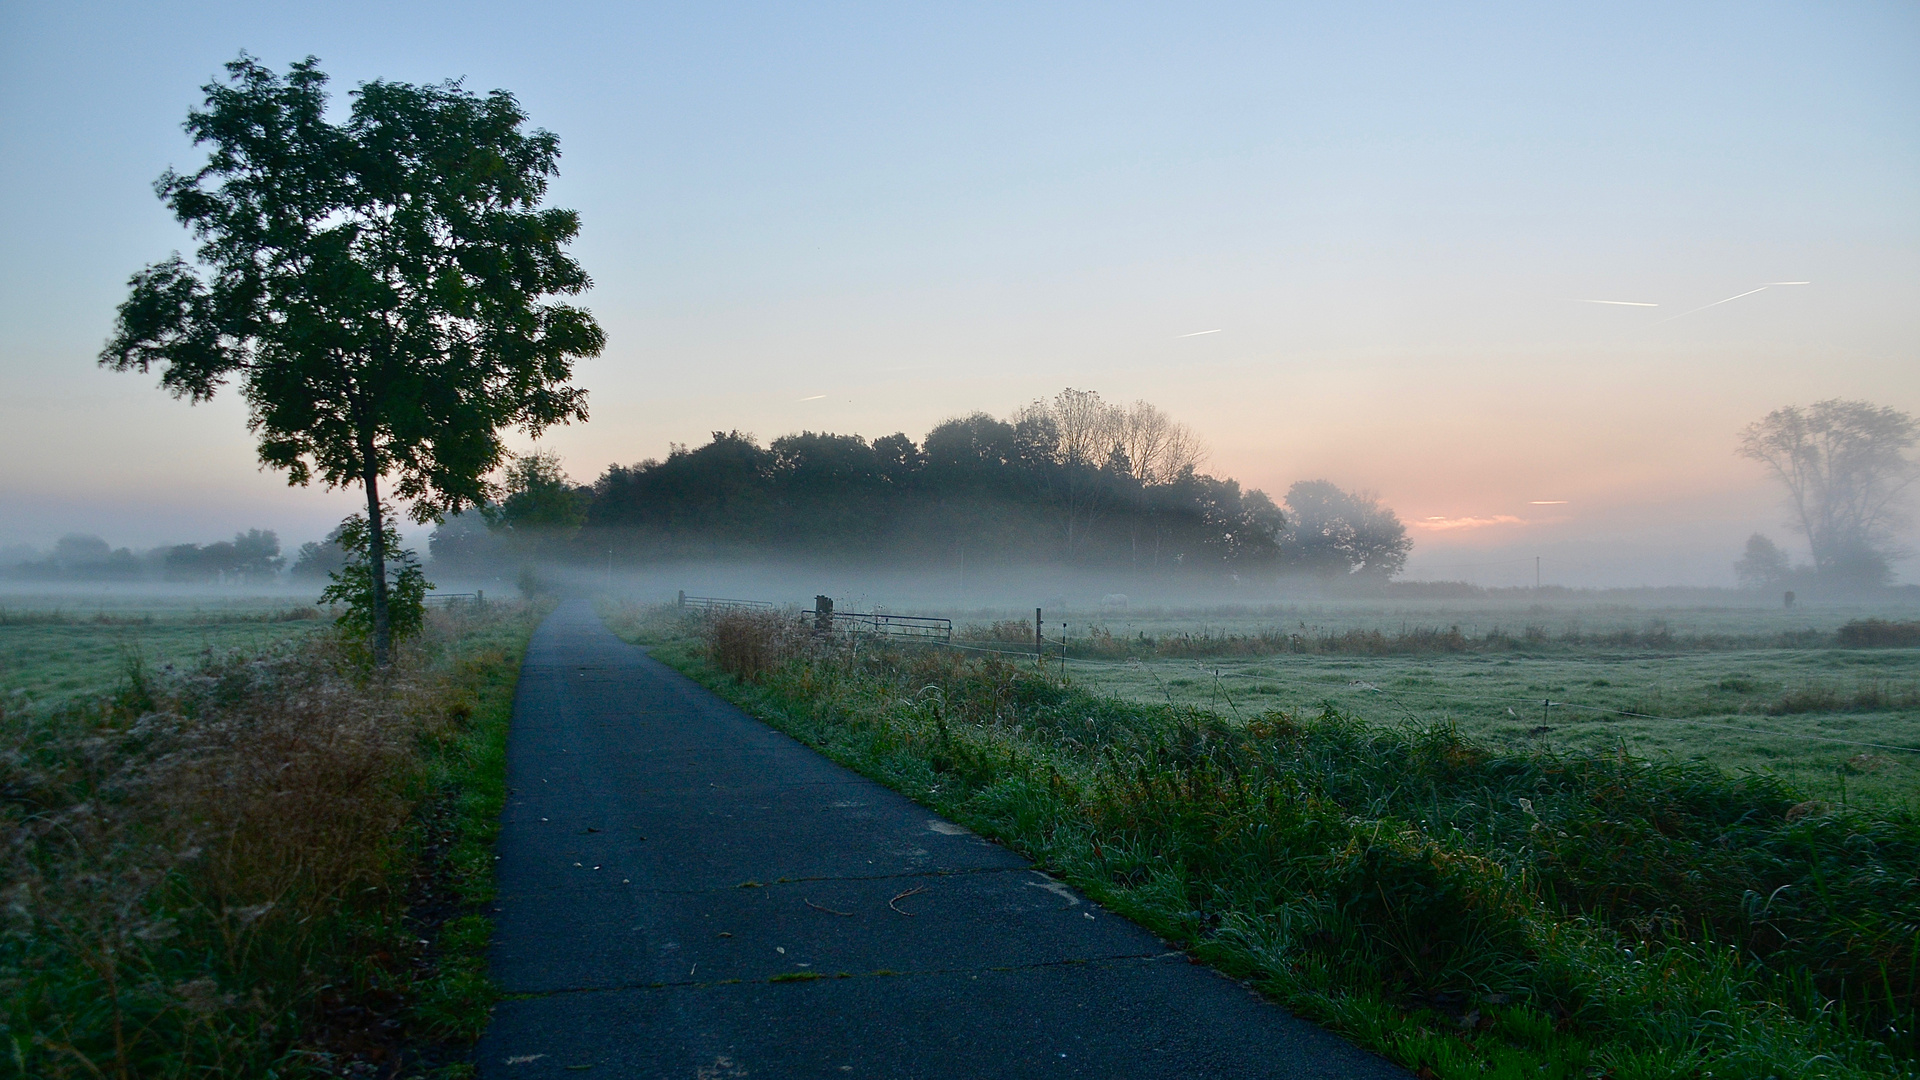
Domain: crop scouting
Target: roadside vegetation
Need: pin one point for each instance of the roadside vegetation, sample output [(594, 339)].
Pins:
[(1464, 908), (270, 863)]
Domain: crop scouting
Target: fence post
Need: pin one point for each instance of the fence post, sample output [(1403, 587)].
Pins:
[(683, 599), (1037, 639), (823, 613)]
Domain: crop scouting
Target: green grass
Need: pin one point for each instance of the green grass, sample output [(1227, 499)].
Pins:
[(1551, 615), (467, 776), (1466, 909), (1823, 718), (49, 654)]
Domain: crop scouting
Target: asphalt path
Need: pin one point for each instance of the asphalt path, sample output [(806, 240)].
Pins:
[(685, 892)]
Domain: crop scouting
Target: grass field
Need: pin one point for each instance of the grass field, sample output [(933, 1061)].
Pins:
[(1758, 688), (1826, 719), (1555, 615), (55, 647)]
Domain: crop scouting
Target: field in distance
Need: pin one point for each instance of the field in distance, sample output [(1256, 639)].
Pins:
[(55, 647), (1761, 688)]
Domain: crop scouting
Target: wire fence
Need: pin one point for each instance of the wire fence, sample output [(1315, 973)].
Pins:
[(708, 605), (925, 628)]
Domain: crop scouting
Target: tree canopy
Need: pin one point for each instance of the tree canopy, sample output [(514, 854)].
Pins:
[(1846, 473), (382, 288)]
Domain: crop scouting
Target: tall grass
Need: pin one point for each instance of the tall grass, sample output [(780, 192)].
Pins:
[(202, 873), (1466, 911)]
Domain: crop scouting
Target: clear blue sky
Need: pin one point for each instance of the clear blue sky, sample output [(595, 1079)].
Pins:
[(1388, 212)]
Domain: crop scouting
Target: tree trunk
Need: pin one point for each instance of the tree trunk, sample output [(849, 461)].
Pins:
[(377, 565)]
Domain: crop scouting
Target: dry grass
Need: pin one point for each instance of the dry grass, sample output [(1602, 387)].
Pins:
[(749, 644), (186, 866)]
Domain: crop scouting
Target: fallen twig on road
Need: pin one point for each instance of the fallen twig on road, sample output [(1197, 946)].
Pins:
[(903, 896)]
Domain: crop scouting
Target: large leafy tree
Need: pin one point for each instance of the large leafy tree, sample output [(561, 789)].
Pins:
[(1337, 533), (381, 288), (1846, 472)]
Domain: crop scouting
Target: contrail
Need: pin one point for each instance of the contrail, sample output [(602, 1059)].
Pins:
[(1716, 303), (815, 397), (1548, 502), (1621, 303), (1197, 333), (1789, 282)]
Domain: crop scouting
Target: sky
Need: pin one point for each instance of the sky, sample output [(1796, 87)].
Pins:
[(1355, 242)]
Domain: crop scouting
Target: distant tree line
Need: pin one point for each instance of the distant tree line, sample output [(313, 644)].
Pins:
[(251, 556), (1072, 480)]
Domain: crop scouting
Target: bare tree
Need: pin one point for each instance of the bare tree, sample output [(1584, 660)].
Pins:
[(1075, 435), (1845, 467), (1184, 450), (1158, 448), (1088, 427)]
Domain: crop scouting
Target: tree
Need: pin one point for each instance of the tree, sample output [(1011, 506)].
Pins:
[(380, 288), (1340, 533), (538, 497), (1158, 448), (1846, 471), (1763, 565), (77, 555), (320, 558), (1069, 441), (354, 585), (253, 555), (1157, 451)]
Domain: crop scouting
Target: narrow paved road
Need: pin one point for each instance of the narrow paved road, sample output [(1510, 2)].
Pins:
[(673, 874)]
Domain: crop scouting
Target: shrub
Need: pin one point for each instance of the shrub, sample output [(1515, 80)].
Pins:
[(1878, 634)]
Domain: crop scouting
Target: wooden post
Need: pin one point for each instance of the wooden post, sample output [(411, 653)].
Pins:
[(823, 613), (683, 599), (1038, 652)]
